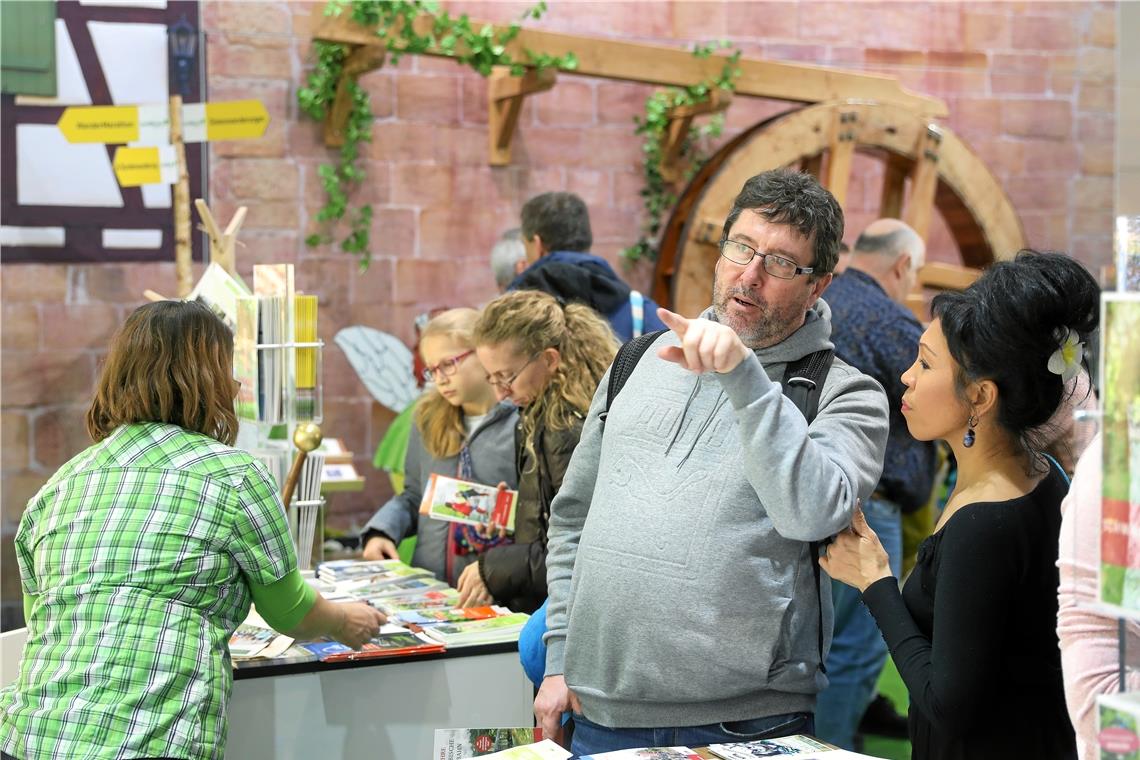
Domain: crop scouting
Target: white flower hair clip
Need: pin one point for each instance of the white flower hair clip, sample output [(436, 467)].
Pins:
[(1066, 360)]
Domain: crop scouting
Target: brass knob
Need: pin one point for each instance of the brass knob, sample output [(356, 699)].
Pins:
[(307, 436)]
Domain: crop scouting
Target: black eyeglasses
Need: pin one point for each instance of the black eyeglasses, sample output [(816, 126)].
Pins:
[(777, 266), (447, 367), (506, 384)]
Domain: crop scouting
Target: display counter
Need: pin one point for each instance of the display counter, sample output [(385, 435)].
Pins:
[(374, 709)]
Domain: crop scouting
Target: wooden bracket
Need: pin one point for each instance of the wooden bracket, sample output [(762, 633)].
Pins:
[(505, 94), (680, 120), (363, 58), (221, 243), (841, 152), (707, 232), (924, 181)]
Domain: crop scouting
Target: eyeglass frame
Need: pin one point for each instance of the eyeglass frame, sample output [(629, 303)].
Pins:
[(505, 385), (428, 374), (764, 259)]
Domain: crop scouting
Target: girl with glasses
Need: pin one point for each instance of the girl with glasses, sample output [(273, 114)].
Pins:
[(460, 431), (547, 359)]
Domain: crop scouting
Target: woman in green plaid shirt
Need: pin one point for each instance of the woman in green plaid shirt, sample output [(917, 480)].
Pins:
[(141, 555)]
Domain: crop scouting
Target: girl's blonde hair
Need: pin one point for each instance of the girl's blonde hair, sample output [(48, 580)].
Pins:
[(533, 321), (441, 424)]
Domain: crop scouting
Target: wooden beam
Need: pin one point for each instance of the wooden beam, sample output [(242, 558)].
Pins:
[(505, 95), (947, 276), (844, 136), (680, 121), (924, 181), (363, 58), (894, 181), (662, 65), (812, 165)]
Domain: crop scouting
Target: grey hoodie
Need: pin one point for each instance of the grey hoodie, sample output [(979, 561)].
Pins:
[(492, 446), (681, 588)]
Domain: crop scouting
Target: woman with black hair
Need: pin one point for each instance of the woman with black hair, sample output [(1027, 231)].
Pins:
[(973, 632)]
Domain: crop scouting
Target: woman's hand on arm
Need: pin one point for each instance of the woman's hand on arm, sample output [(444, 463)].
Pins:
[(856, 557)]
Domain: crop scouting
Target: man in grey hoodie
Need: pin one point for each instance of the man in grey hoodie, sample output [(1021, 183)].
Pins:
[(683, 606)]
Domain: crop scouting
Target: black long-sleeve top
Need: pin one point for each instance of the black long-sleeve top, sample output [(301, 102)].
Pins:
[(973, 633)]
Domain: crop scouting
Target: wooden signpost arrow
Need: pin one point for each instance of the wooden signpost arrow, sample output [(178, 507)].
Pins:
[(156, 136)]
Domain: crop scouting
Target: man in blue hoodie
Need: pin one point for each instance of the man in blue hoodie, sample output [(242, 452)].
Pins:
[(556, 233), (687, 609)]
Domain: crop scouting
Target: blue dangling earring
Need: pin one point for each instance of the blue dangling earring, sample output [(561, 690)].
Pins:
[(968, 439)]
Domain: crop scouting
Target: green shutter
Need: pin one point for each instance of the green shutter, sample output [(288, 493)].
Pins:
[(27, 47)]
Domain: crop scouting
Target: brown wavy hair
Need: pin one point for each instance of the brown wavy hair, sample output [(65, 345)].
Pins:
[(533, 321), (172, 362), (441, 424)]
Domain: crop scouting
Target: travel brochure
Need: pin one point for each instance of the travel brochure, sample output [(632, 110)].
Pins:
[(461, 743), (470, 503), (424, 616), (1120, 426)]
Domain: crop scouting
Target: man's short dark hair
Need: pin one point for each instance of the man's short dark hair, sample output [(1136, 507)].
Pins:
[(798, 200), (560, 219)]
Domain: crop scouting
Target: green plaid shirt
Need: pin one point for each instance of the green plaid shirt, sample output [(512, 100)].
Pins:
[(139, 552)]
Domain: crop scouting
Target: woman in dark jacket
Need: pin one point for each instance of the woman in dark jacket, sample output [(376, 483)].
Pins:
[(547, 359)]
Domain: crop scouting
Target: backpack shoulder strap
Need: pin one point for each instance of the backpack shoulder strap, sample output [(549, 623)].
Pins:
[(804, 379), (627, 358), (803, 385)]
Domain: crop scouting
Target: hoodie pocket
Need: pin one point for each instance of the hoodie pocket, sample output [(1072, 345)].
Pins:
[(643, 644)]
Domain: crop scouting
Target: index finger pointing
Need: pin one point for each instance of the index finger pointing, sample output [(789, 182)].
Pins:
[(673, 321)]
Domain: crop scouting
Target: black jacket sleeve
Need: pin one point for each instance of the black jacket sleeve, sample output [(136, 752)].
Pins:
[(978, 572), (515, 574)]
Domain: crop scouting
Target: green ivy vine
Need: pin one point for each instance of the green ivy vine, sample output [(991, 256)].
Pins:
[(480, 48), (658, 194)]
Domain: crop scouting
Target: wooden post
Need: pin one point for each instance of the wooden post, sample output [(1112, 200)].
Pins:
[(505, 95), (924, 182), (680, 120), (844, 136), (182, 250), (221, 243), (894, 180)]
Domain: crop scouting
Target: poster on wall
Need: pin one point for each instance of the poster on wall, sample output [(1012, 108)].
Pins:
[(60, 201), (1120, 426)]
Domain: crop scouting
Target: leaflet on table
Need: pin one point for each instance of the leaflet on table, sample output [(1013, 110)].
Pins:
[(461, 743), (445, 598), (543, 750), (470, 503), (799, 746), (647, 753), (450, 615), (399, 587), (387, 644), (344, 569), (473, 632)]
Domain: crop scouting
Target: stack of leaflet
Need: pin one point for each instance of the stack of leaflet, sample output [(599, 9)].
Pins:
[(306, 508), (254, 638), (393, 641), (656, 753), (440, 599), (800, 746), (476, 632), (383, 579), (438, 615)]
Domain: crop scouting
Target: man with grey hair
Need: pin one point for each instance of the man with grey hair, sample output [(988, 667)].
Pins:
[(687, 609), (873, 331), (508, 258)]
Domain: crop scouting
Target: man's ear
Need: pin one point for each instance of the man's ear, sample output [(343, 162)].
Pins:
[(902, 267), (818, 287), (520, 266)]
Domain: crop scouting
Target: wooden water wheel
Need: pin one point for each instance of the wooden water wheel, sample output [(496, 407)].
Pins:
[(926, 167)]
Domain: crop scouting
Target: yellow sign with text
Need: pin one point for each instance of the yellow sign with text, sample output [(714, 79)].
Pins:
[(145, 166), (234, 120), (100, 124)]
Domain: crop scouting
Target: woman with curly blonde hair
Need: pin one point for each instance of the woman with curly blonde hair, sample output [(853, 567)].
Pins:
[(548, 359)]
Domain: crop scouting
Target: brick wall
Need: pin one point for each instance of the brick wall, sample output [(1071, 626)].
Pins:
[(1029, 84)]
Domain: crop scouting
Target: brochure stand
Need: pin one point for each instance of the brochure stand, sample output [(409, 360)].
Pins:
[(277, 361)]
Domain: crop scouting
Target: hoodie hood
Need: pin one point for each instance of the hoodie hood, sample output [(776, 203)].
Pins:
[(579, 277), (813, 335)]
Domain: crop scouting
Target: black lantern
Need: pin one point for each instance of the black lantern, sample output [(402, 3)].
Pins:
[(183, 50)]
